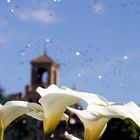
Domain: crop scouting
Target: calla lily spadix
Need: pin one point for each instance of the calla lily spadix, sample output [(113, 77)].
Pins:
[(54, 101), (12, 110), (96, 117)]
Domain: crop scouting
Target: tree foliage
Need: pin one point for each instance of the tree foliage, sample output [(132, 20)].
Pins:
[(118, 129), (2, 96)]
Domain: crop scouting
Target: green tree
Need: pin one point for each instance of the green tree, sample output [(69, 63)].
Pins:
[(2, 97), (118, 129)]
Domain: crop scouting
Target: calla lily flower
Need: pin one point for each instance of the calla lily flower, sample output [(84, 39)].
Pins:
[(54, 104), (54, 101), (130, 110), (12, 110), (95, 118), (93, 126), (70, 136)]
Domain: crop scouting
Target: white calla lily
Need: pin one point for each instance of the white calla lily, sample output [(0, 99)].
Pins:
[(70, 136), (36, 115), (54, 101), (96, 117), (130, 110), (93, 126), (12, 110), (54, 105)]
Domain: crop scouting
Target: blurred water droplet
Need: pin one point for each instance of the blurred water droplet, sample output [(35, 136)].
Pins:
[(16, 6), (48, 40), (12, 10), (28, 45), (24, 121), (20, 78), (99, 76), (57, 0), (83, 72), (125, 57), (77, 53), (79, 75), (23, 53), (52, 135), (98, 49), (8, 1), (121, 84)]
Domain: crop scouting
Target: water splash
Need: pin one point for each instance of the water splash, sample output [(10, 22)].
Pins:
[(77, 53), (99, 76), (12, 11), (125, 57), (8, 1), (28, 46), (79, 75), (56, 0), (23, 53)]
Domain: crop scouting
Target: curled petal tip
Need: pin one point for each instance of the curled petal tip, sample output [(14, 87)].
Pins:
[(70, 136)]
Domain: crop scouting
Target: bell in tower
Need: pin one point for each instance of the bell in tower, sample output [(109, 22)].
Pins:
[(44, 72)]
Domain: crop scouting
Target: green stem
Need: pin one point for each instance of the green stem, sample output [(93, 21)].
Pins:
[(1, 130)]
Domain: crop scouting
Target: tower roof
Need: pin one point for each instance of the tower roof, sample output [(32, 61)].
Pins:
[(44, 59)]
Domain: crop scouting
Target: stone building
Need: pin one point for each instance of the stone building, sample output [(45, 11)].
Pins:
[(44, 72)]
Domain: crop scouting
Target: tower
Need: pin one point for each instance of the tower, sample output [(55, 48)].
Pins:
[(44, 72)]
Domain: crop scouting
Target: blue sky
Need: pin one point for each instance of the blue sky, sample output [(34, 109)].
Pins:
[(96, 42)]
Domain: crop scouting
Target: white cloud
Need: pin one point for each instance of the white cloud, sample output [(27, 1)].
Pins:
[(98, 8), (40, 15)]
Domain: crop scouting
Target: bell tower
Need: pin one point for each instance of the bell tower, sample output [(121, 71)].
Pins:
[(44, 72)]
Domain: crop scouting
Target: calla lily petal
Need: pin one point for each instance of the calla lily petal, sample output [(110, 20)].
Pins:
[(54, 105), (34, 106), (96, 117), (89, 98), (51, 89), (36, 115), (129, 110), (40, 116), (13, 109), (94, 127), (10, 113), (70, 136)]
